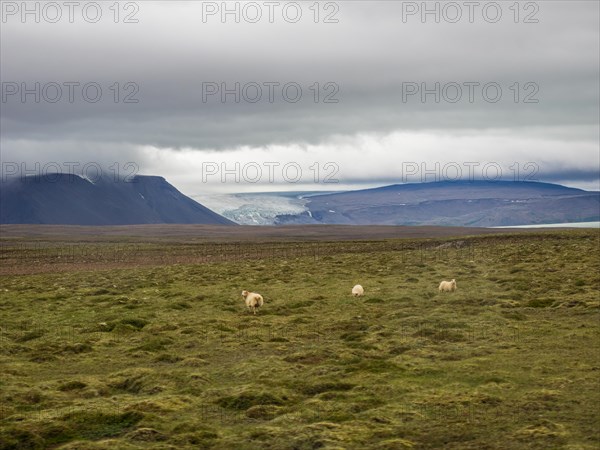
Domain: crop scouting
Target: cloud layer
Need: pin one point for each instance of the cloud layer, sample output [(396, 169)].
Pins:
[(500, 92)]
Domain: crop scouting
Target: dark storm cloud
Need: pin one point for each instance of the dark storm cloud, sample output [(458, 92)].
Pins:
[(369, 55)]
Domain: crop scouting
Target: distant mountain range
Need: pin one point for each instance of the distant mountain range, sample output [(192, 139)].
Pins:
[(68, 199), (63, 199), (456, 203)]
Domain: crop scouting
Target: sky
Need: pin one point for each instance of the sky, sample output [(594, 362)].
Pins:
[(291, 96)]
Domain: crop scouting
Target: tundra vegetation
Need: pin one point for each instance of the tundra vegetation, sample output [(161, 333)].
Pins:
[(153, 349)]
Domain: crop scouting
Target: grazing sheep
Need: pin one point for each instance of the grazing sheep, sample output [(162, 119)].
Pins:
[(253, 300), (358, 290), (447, 286)]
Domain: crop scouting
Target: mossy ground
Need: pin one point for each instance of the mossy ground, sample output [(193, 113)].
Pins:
[(167, 356)]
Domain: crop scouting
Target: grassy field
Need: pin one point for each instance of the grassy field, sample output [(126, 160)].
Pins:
[(150, 346)]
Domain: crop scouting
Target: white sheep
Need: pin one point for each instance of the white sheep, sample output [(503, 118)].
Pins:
[(358, 291), (253, 300), (447, 286)]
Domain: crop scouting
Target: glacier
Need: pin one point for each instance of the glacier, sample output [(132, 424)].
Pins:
[(256, 208)]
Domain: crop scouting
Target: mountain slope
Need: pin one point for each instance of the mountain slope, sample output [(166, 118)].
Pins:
[(72, 200), (457, 203)]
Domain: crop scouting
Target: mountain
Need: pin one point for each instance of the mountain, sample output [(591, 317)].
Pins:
[(456, 203), (68, 199)]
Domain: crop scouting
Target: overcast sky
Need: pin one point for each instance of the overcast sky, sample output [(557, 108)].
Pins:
[(360, 120)]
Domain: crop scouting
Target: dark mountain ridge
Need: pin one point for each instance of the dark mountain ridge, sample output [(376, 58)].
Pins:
[(68, 199)]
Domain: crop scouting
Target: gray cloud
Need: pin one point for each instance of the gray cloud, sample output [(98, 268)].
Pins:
[(369, 54)]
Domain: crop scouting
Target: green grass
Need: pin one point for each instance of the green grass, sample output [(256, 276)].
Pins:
[(167, 356)]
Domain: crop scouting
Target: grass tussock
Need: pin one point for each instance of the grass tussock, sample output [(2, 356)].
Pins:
[(166, 355)]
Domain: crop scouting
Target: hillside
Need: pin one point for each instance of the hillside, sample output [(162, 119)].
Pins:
[(456, 203), (71, 200)]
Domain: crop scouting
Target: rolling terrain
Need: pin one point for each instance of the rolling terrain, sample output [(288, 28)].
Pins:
[(165, 354), (452, 203)]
